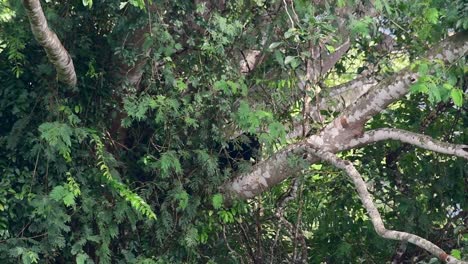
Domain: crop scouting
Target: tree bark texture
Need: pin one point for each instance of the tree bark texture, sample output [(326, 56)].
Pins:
[(346, 131), (56, 52)]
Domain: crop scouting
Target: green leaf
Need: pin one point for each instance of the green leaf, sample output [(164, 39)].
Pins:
[(168, 161), (234, 86), (274, 45), (277, 131), (181, 85), (29, 257), (221, 86), (138, 3), (423, 69), (434, 93), (432, 15), (378, 5), (226, 216), (81, 258), (183, 198), (191, 237), (330, 48), (88, 3), (289, 33), (316, 166), (57, 135), (447, 86), (343, 249), (419, 88), (217, 201), (69, 199), (361, 27), (292, 60), (288, 59), (341, 3), (456, 253), (457, 97), (58, 193), (279, 57), (77, 109)]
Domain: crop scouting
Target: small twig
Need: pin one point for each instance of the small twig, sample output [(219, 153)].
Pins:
[(229, 246), (286, 9), (294, 11), (246, 61), (24, 238), (249, 249), (293, 231), (35, 167)]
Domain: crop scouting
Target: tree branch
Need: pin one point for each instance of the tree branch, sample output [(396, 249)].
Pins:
[(388, 91), (346, 128), (374, 214), (416, 139), (345, 94), (329, 62), (336, 98), (56, 53)]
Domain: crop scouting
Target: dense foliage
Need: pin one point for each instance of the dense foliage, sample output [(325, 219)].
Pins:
[(116, 171)]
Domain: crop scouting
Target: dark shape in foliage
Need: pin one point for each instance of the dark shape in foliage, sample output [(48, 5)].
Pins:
[(245, 147)]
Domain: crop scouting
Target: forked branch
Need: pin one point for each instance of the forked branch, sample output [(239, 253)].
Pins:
[(374, 214)]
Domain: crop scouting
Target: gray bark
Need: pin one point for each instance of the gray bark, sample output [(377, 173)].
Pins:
[(347, 127), (56, 52)]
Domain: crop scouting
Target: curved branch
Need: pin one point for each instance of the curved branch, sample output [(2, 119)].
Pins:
[(56, 53), (374, 214), (412, 138)]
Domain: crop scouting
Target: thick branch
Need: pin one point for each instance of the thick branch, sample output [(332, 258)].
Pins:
[(56, 53), (416, 139), (374, 214), (265, 174), (345, 94), (275, 169), (389, 91), (336, 98), (347, 127)]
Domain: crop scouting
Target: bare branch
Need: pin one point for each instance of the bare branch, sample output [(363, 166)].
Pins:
[(330, 61), (56, 53), (345, 94), (347, 127), (416, 139), (388, 91), (265, 174), (374, 214), (275, 169), (335, 99)]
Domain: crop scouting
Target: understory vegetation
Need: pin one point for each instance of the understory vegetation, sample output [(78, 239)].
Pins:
[(179, 131)]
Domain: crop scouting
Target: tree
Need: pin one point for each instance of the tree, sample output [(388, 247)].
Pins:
[(112, 138)]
